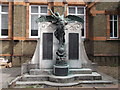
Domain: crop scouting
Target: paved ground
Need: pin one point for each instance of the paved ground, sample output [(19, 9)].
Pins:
[(7, 75)]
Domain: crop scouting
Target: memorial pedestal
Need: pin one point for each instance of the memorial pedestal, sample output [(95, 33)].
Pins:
[(61, 70)]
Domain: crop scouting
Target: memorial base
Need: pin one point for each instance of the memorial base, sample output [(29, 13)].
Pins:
[(61, 70)]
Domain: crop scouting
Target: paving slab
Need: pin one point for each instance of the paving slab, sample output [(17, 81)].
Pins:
[(107, 77), (31, 89), (103, 88), (76, 88), (8, 74), (96, 85)]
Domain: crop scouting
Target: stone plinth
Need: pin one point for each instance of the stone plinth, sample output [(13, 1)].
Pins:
[(61, 70)]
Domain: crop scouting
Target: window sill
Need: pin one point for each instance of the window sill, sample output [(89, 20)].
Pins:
[(5, 39), (33, 39), (113, 39)]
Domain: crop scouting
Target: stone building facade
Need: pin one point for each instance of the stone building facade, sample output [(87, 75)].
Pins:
[(101, 30)]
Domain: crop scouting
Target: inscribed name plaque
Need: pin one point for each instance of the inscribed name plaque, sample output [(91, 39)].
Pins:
[(73, 46), (47, 46)]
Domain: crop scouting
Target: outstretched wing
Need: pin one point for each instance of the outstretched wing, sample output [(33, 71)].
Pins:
[(74, 18), (48, 18)]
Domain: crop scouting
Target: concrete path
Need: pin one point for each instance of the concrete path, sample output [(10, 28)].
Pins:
[(7, 75)]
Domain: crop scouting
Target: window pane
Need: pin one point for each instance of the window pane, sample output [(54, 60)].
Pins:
[(4, 32), (80, 10), (115, 28), (4, 8), (111, 29), (34, 32), (115, 17), (4, 21), (34, 25), (34, 9), (43, 9), (4, 25), (111, 17), (72, 10)]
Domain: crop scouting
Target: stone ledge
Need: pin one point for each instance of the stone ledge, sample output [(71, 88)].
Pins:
[(64, 77), (61, 84)]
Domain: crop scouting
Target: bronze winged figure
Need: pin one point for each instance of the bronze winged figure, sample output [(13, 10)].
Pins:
[(60, 21)]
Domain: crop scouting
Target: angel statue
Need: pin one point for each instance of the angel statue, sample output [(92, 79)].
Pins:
[(60, 21)]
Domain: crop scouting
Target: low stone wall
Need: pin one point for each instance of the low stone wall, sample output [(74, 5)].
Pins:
[(105, 60)]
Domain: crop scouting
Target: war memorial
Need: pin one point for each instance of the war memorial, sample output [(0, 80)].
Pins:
[(60, 44)]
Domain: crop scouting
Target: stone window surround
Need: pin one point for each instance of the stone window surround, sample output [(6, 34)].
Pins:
[(84, 14), (39, 7), (113, 19), (3, 13)]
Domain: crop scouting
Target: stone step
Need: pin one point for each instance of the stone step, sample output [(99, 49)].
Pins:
[(21, 83), (41, 71), (63, 79), (81, 71), (50, 71)]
